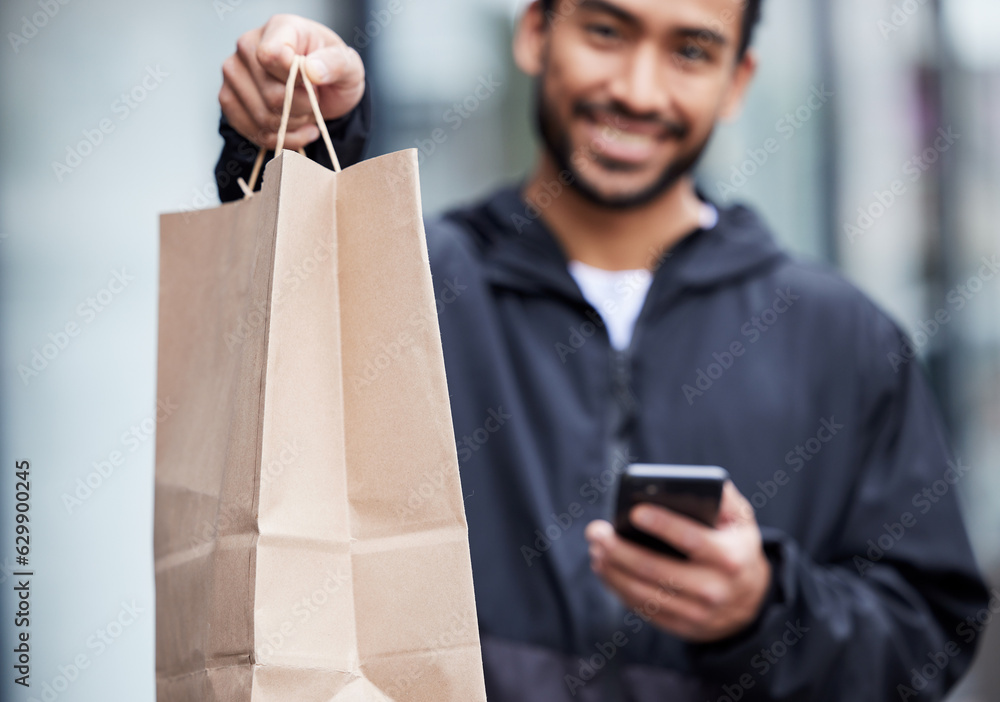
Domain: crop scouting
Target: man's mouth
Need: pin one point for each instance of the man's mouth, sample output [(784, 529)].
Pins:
[(618, 142), (618, 137)]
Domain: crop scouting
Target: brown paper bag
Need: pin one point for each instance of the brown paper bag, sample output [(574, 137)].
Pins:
[(298, 337)]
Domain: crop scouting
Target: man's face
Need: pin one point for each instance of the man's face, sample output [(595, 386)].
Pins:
[(629, 91)]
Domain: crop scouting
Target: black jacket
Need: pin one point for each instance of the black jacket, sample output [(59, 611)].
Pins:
[(743, 357)]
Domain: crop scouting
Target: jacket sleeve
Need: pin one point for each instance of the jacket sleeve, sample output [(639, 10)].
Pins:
[(892, 614), (348, 134)]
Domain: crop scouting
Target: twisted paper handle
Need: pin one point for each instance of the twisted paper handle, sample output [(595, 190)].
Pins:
[(283, 127)]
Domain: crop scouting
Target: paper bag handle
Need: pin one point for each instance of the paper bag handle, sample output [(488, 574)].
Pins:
[(283, 127)]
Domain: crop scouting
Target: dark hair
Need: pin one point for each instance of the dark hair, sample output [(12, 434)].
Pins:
[(751, 17)]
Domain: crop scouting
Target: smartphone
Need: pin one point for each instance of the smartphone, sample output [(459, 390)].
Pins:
[(694, 491)]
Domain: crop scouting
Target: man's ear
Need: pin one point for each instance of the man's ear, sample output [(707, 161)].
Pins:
[(530, 38), (743, 75)]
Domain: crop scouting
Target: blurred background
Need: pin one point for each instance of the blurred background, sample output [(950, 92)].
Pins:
[(887, 117)]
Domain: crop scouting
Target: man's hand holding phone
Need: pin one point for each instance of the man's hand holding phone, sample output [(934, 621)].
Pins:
[(714, 594), (253, 88)]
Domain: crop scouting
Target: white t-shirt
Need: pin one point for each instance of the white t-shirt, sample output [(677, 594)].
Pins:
[(619, 295)]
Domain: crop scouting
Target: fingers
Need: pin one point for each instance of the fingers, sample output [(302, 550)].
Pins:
[(611, 553), (708, 545), (303, 136), (237, 115), (269, 89), (284, 36), (669, 609), (253, 91), (691, 538), (247, 112), (339, 75), (692, 600), (252, 98), (242, 102)]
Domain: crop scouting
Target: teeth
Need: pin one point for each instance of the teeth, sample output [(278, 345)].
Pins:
[(627, 137)]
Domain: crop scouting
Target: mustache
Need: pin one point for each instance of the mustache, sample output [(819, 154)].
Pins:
[(619, 112)]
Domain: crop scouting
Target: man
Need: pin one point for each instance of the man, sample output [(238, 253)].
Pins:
[(603, 313)]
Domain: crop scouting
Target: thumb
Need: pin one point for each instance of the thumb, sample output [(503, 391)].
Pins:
[(735, 508), (335, 65)]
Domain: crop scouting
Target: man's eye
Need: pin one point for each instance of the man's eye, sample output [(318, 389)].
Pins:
[(693, 52), (603, 31)]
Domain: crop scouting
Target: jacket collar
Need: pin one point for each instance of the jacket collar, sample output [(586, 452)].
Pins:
[(521, 252)]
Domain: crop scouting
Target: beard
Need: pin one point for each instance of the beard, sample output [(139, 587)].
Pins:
[(555, 137)]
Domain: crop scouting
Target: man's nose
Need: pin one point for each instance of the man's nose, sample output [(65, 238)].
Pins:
[(641, 85)]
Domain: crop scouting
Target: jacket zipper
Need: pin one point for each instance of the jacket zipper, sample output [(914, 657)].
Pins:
[(623, 416)]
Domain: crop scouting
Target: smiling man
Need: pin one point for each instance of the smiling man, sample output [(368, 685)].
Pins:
[(611, 315)]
